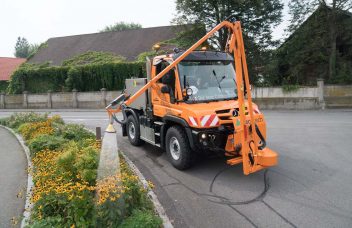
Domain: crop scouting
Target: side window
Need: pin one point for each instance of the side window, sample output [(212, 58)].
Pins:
[(160, 67)]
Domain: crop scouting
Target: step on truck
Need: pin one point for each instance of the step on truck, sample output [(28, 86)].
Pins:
[(194, 101)]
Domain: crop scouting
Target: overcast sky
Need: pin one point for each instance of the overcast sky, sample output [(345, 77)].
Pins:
[(38, 20)]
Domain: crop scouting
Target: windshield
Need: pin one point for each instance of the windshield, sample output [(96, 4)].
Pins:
[(209, 80)]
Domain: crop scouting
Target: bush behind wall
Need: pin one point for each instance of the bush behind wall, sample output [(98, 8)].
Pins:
[(91, 77)]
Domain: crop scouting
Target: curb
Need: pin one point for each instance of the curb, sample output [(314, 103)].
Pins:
[(28, 205)]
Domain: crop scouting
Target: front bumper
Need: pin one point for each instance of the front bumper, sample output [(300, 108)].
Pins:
[(213, 139)]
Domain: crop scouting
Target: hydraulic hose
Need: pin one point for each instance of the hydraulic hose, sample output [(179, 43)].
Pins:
[(261, 147), (261, 138), (123, 110)]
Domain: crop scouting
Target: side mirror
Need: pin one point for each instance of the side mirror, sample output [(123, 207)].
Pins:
[(165, 89)]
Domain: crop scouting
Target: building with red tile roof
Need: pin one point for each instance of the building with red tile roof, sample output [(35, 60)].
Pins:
[(8, 66)]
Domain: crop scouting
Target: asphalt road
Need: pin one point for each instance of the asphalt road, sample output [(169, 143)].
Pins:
[(311, 186), (13, 180)]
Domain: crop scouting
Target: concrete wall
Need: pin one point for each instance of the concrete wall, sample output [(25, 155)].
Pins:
[(276, 98), (319, 97), (338, 96), (74, 99), (275, 92)]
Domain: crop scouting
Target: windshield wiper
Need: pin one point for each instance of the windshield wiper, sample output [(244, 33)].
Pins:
[(222, 78), (217, 80)]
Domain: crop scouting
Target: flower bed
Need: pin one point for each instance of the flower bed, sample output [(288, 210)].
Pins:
[(65, 161)]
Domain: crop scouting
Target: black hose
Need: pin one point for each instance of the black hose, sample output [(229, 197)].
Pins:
[(124, 120), (261, 147)]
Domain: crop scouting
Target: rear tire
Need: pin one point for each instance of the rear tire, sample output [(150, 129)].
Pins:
[(133, 131), (177, 148)]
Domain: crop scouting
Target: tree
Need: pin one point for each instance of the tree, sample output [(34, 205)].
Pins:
[(300, 10), (121, 26), (22, 48), (257, 17)]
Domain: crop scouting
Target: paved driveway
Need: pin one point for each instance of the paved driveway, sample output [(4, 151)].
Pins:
[(311, 186)]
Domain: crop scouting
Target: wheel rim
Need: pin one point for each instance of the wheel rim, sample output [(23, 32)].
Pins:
[(131, 130), (175, 149)]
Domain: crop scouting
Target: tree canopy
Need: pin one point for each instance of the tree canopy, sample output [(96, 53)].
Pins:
[(306, 54), (121, 26), (23, 49), (258, 17), (300, 10)]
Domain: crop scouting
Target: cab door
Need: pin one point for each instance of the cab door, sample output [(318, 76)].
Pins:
[(161, 99)]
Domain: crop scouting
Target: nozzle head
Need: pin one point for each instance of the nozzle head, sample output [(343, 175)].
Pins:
[(110, 129)]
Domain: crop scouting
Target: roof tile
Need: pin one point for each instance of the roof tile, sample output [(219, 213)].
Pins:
[(8, 66)]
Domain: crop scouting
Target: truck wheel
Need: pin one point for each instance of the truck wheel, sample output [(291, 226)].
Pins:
[(178, 149), (133, 131)]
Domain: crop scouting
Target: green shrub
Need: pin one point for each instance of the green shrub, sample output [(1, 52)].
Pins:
[(17, 119), (3, 86), (4, 121), (58, 210), (142, 219), (93, 57), (56, 119), (47, 222), (42, 142), (290, 88), (87, 165), (74, 132), (66, 160)]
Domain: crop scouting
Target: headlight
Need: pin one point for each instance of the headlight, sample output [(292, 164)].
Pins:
[(203, 136)]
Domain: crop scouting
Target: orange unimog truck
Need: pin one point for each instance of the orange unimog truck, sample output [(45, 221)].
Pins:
[(194, 101)]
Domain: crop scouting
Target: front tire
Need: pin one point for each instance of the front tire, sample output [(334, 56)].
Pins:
[(177, 148), (133, 131)]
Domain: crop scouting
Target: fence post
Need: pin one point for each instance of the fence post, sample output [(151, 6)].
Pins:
[(320, 84), (74, 99), (103, 97), (2, 100), (25, 99), (50, 103)]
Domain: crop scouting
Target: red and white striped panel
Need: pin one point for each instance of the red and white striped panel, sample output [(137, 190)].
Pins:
[(192, 121), (209, 120)]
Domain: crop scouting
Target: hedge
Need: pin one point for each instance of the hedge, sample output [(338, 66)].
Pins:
[(90, 77), (3, 85), (110, 76)]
